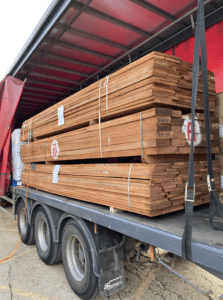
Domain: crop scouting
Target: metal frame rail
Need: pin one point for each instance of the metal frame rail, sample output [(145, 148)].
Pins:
[(4, 210), (208, 256)]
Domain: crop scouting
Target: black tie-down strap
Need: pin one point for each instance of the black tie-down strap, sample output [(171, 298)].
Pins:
[(215, 204)]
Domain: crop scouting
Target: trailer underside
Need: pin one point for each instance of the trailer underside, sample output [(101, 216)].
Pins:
[(164, 231)]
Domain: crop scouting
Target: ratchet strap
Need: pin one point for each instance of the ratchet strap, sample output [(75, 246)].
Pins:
[(215, 204)]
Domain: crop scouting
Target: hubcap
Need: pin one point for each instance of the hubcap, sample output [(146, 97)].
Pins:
[(43, 234), (76, 258), (22, 221)]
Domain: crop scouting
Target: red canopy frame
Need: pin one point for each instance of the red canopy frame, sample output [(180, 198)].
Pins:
[(77, 42)]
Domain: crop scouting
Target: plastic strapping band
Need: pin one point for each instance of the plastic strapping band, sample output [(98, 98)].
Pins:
[(23, 130), (23, 127), (106, 86), (129, 187), (141, 135), (99, 117), (45, 149), (29, 135)]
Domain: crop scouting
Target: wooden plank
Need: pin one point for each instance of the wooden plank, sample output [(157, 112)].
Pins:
[(148, 189), (151, 80), (162, 134)]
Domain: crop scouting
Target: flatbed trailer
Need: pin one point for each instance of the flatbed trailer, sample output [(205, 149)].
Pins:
[(164, 232)]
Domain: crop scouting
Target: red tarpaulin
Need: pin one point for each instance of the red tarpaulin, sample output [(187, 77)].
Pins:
[(10, 93), (214, 41)]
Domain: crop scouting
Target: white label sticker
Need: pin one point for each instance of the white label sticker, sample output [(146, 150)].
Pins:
[(186, 128), (214, 125), (55, 173), (55, 149), (221, 182), (220, 130), (61, 115)]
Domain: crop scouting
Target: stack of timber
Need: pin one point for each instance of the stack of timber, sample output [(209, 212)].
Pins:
[(153, 132), (156, 79), (139, 111), (146, 189)]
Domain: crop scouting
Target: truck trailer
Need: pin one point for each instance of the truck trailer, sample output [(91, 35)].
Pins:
[(75, 44)]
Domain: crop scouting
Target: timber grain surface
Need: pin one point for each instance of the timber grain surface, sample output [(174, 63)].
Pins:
[(155, 131), (139, 117), (146, 189), (156, 79)]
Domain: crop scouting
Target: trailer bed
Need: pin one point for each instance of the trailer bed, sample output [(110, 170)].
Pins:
[(164, 231)]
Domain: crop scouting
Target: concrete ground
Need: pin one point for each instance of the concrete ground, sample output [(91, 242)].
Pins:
[(24, 276)]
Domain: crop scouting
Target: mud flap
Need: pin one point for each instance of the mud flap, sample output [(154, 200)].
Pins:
[(108, 257), (112, 282), (112, 278)]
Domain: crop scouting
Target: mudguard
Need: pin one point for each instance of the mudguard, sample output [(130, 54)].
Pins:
[(107, 253)]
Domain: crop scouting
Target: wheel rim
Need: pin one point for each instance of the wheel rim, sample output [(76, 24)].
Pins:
[(76, 258), (22, 221), (43, 234)]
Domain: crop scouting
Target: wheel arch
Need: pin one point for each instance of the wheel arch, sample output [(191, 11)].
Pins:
[(16, 203), (84, 227), (107, 256), (29, 206), (53, 215)]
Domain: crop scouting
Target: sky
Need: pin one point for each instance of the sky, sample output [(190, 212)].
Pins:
[(18, 19)]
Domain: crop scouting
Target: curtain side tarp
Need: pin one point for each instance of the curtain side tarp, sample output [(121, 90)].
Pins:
[(10, 93), (214, 44)]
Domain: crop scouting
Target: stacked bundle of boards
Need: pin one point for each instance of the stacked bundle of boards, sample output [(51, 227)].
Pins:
[(139, 111), (153, 132), (146, 189), (156, 79)]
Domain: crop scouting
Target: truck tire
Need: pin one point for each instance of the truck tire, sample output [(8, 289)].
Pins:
[(25, 230), (48, 250), (78, 262)]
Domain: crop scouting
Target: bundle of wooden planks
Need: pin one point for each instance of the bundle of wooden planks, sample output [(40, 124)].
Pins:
[(140, 110), (156, 79), (152, 132), (146, 189)]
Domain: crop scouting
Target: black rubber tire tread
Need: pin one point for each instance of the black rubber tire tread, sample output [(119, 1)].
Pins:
[(96, 292), (88, 288), (53, 254), (29, 237)]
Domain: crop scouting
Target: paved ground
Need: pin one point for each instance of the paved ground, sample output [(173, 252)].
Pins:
[(25, 276)]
